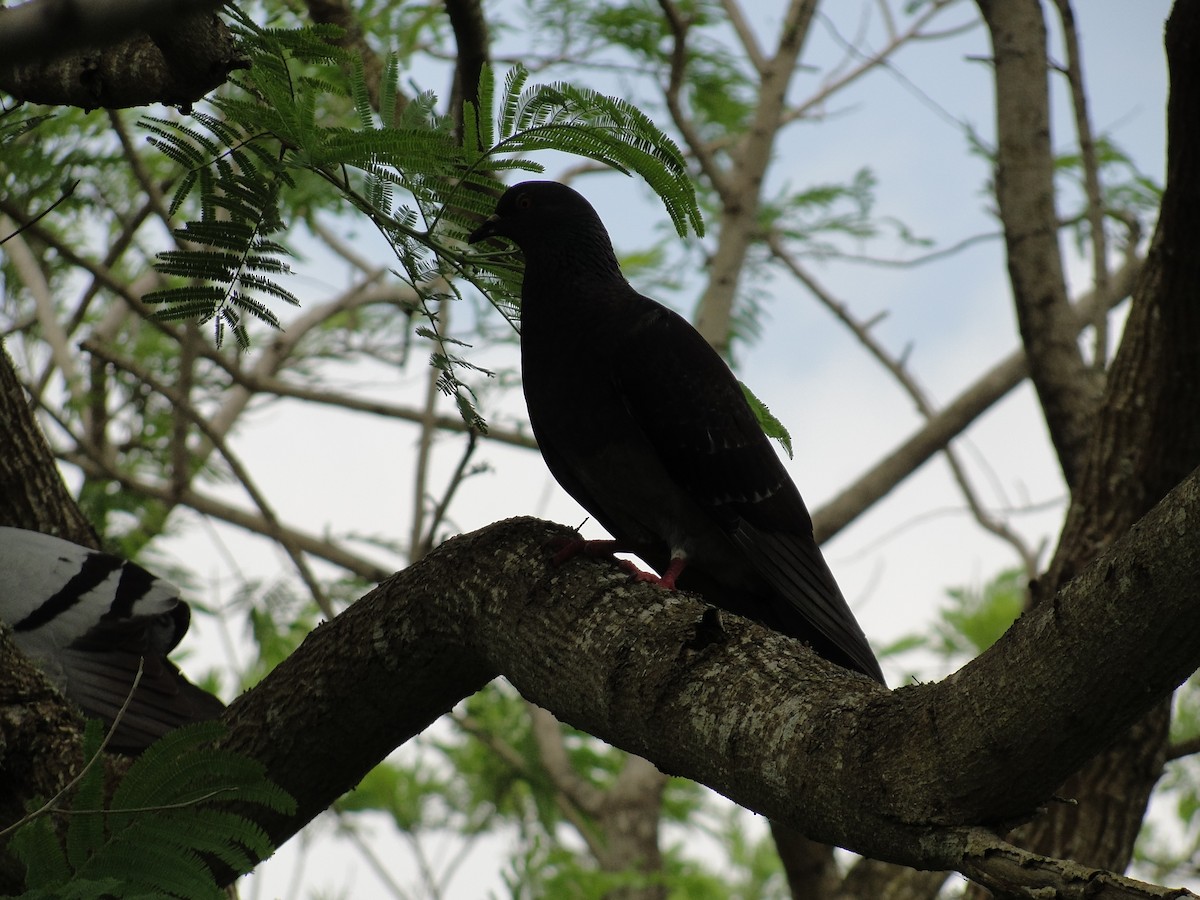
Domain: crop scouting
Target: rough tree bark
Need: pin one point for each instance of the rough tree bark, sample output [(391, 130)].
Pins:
[(134, 54)]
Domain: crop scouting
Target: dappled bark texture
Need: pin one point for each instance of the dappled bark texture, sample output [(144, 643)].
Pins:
[(900, 775), (177, 62), (32, 493), (724, 701)]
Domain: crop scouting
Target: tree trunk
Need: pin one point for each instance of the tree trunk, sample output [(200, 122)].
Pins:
[(1145, 441)]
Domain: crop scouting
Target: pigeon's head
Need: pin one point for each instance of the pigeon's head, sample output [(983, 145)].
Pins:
[(544, 219)]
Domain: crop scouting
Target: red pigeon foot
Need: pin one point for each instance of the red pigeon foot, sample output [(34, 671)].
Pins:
[(566, 549)]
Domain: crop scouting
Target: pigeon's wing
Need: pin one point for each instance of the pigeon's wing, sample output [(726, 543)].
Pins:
[(692, 410), (88, 619), (100, 681)]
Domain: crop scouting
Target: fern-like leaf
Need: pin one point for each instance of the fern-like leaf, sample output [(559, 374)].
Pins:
[(165, 819)]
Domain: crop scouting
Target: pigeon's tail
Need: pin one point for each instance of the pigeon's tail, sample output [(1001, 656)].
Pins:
[(764, 605), (101, 681)]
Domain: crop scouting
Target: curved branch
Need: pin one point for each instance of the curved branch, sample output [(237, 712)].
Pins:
[(152, 52), (902, 776)]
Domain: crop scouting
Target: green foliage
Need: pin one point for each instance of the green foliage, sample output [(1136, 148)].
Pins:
[(770, 425), (1169, 853), (1129, 196), (410, 174), (153, 839), (585, 123), (972, 620), (975, 618), (487, 775)]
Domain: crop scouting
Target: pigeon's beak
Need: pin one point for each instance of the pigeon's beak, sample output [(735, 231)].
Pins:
[(490, 228)]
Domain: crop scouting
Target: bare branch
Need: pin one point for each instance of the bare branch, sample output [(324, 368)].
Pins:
[(672, 93), (1184, 748), (95, 466), (952, 420), (745, 35), (1091, 175), (1068, 391), (920, 399), (573, 805), (880, 58), (61, 358), (473, 42), (460, 474), (741, 186), (240, 472)]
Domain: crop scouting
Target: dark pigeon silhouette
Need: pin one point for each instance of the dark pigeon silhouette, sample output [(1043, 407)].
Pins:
[(88, 618), (643, 423)]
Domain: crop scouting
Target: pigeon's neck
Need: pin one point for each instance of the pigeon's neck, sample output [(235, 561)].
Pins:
[(567, 256)]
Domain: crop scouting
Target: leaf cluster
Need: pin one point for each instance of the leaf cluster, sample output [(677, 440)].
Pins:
[(161, 830), (410, 172)]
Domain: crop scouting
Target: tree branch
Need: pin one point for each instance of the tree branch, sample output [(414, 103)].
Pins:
[(236, 467), (1091, 173), (901, 776), (46, 29), (1068, 391), (740, 186), (951, 421), (152, 52), (323, 548)]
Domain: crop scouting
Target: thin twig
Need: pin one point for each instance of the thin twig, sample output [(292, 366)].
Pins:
[(237, 468), (1091, 176), (52, 804), (438, 516), (425, 443), (696, 144), (908, 383), (67, 192), (572, 811)]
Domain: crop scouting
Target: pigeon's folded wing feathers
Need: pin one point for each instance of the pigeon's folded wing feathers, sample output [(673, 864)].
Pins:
[(723, 460)]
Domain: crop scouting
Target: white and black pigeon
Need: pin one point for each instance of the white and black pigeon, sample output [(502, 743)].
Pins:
[(643, 423), (88, 618)]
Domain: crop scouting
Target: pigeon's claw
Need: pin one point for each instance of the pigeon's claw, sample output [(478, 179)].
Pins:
[(674, 570), (567, 548), (666, 581), (639, 574)]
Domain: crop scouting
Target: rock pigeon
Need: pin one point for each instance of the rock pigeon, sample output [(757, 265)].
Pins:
[(643, 423), (87, 618)]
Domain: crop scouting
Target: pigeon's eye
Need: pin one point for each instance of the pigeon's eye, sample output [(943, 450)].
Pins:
[(524, 202)]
